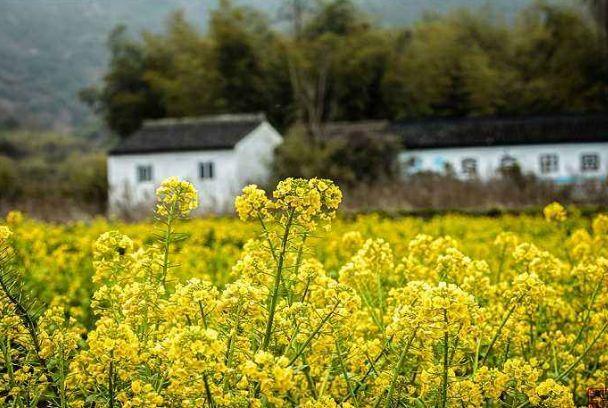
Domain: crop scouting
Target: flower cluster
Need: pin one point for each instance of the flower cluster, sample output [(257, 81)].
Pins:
[(5, 233), (301, 202), (176, 198), (252, 204), (555, 212)]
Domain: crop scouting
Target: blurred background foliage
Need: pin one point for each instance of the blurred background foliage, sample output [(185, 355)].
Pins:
[(50, 49), (336, 64), (51, 173)]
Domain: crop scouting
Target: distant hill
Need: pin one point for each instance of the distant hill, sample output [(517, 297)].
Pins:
[(50, 49)]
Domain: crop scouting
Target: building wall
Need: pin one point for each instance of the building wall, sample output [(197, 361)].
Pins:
[(248, 162), (488, 160), (254, 154), (215, 194)]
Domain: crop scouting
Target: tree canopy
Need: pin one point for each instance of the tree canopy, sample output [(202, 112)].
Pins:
[(337, 64)]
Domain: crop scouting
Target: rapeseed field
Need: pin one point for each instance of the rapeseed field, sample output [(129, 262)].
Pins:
[(291, 305)]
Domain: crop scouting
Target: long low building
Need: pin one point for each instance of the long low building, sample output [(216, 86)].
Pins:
[(564, 149), (221, 154)]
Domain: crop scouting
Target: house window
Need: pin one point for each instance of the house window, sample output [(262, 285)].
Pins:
[(206, 170), (413, 164), (549, 163), (469, 167), (507, 162), (590, 162), (144, 173)]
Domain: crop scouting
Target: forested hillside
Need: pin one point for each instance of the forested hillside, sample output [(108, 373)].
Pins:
[(49, 50), (335, 63)]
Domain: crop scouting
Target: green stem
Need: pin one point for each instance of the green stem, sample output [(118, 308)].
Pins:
[(476, 360), (208, 391), (62, 388), (313, 334), (203, 316), (298, 262), (505, 356), (555, 365), (361, 382), (309, 380), (111, 384), (8, 361), (365, 296), (277, 284), (397, 368), (380, 294), (21, 311), (230, 346), (587, 315), (29, 321), (444, 381), (345, 374), (166, 243), (499, 330), (267, 234), (501, 265), (578, 360)]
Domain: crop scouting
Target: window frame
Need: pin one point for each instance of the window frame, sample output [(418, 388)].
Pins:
[(466, 169), (206, 170), (585, 168), (508, 162), (412, 164), (548, 163), (144, 173)]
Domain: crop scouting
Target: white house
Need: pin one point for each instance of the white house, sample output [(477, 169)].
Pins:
[(564, 149), (218, 154)]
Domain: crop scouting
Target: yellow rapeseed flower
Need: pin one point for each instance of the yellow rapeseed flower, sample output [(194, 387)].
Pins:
[(555, 212), (176, 198)]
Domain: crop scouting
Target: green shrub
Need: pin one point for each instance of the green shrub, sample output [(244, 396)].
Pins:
[(351, 159), (9, 180), (85, 177)]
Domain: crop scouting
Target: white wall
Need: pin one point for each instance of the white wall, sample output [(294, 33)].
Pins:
[(215, 194), (249, 162), (528, 156), (254, 154)]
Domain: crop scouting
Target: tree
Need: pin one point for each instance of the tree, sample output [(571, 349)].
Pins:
[(353, 158), (309, 70), (361, 63), (241, 80), (336, 67), (252, 70), (599, 10), (295, 12), (127, 98), (180, 68), (366, 158), (338, 17), (450, 66), (560, 61)]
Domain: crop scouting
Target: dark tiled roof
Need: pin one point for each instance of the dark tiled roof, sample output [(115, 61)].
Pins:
[(204, 133), (332, 130), (469, 132)]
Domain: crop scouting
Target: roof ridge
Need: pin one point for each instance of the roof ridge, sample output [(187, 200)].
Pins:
[(226, 117), (538, 129), (357, 122), (500, 119), (188, 134)]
